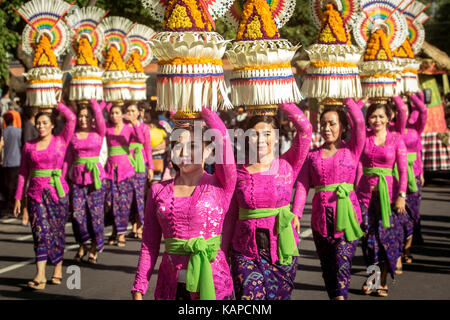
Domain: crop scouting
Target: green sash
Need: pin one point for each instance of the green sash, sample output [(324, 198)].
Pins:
[(287, 248), (346, 220), (119, 150), (55, 179), (199, 272), (383, 190), (138, 157), (412, 186), (91, 165)]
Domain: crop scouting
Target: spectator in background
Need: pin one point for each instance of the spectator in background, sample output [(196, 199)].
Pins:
[(11, 142), (4, 101), (29, 132)]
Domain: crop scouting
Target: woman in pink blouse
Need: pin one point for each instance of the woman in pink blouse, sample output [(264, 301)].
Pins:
[(87, 174), (410, 123), (119, 171), (331, 170), (189, 212), (42, 161), (140, 152), (264, 244), (379, 194)]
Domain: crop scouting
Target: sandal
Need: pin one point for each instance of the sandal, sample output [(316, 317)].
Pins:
[(408, 258), (132, 235), (399, 271), (79, 257), (382, 292), (111, 240), (366, 289), (56, 280), (92, 259), (139, 235), (37, 285), (121, 243)]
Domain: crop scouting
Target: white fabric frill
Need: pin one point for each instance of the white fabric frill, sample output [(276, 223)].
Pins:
[(86, 83), (252, 83), (338, 82), (44, 86), (116, 85)]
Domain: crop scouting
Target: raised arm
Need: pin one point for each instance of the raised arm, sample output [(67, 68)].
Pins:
[(68, 160), (137, 131), (71, 121), (357, 126), (148, 146), (151, 241), (401, 158), (225, 165), (100, 124), (422, 109), (301, 191), (400, 122), (229, 224), (302, 141), (24, 172)]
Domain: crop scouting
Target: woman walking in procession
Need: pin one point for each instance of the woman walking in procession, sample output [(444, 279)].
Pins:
[(336, 216), (87, 192), (119, 170), (189, 212), (264, 244), (410, 123), (142, 155), (381, 197), (47, 192)]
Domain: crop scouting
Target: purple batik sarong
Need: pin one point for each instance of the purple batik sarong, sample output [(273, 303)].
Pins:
[(336, 257), (118, 197), (48, 222), (88, 215), (413, 204), (260, 279), (138, 182), (378, 244)]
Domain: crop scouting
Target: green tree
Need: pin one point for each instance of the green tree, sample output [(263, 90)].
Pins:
[(300, 28), (438, 26), (10, 24)]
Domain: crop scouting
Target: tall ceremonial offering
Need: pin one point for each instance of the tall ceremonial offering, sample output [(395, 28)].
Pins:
[(262, 75), (380, 28), (332, 74), (190, 72), (87, 44), (413, 11), (116, 78), (46, 36), (141, 56)]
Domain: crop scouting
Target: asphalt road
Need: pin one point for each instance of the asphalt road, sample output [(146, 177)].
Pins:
[(428, 277)]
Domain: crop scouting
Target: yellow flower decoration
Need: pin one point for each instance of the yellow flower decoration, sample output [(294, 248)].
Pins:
[(267, 66), (378, 47), (333, 29), (187, 16), (85, 56), (114, 61), (322, 64), (44, 55), (404, 51), (182, 61), (134, 64), (262, 21)]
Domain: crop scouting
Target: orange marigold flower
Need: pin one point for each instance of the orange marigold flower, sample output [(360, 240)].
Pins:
[(44, 55), (114, 61)]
